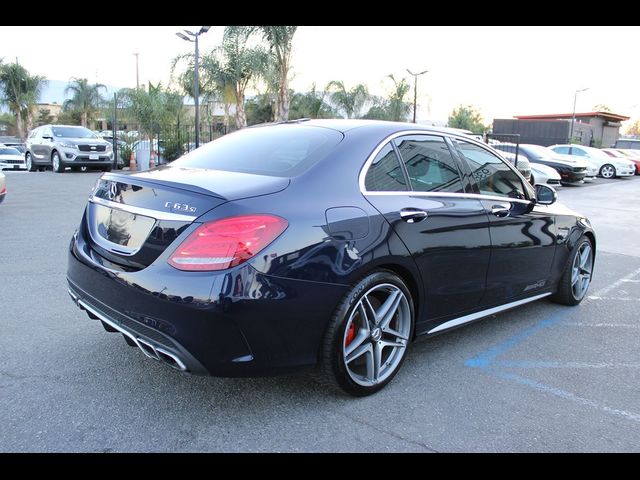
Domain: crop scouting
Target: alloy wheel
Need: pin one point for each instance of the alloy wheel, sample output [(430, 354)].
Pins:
[(56, 162), (608, 171), (581, 271), (376, 335), (29, 162)]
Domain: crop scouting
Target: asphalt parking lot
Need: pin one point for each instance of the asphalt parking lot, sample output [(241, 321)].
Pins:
[(539, 378)]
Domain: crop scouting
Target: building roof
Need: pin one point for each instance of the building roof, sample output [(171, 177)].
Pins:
[(613, 117)]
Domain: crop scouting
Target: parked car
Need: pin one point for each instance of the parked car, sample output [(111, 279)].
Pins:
[(21, 147), (328, 243), (60, 146), (11, 159), (571, 172), (3, 187), (608, 167), (626, 155), (630, 154), (121, 147), (543, 174), (521, 162)]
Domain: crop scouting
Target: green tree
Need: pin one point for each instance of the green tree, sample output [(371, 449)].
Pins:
[(601, 107), (44, 117), (259, 109), (633, 129), (311, 104), (350, 102), (398, 109), (153, 107), (238, 63), (467, 118), (20, 91), (85, 99), (280, 39)]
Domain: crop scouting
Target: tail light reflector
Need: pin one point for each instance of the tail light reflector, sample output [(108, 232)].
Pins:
[(225, 243)]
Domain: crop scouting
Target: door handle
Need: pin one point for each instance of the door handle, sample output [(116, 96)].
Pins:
[(501, 211), (410, 215)]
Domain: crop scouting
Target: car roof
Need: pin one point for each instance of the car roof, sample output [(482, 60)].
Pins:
[(345, 125)]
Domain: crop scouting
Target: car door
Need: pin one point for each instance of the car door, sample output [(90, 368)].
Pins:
[(45, 147), (415, 182), (35, 147), (523, 235)]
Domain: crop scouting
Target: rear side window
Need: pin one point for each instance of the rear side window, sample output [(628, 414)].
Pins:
[(563, 150), (280, 150), (578, 152), (493, 176), (429, 163), (385, 173)]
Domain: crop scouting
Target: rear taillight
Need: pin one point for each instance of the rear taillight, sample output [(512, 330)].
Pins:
[(226, 243), (4, 190)]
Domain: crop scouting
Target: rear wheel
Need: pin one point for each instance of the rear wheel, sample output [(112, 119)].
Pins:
[(607, 171), (29, 161), (56, 163), (576, 278), (367, 338)]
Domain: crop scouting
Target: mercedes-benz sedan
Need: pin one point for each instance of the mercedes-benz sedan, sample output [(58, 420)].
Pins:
[(329, 245)]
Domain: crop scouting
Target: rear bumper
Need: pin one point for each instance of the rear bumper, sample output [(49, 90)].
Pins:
[(233, 323)]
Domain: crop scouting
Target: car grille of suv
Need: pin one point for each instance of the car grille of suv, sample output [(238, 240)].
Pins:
[(92, 148), (12, 162)]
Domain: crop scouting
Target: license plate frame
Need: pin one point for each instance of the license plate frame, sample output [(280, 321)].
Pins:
[(94, 156)]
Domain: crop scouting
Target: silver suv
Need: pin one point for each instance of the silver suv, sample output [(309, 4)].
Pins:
[(61, 146)]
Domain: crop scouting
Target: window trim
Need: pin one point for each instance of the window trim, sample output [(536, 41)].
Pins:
[(479, 196)]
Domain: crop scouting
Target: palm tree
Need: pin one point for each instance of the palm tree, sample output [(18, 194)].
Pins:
[(20, 91), (351, 101), (311, 104), (280, 39), (397, 108), (86, 98), (239, 64)]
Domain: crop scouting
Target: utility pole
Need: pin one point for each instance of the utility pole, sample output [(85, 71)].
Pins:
[(137, 73), (573, 115), (415, 91)]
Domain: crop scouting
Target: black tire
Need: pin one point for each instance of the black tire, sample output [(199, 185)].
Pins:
[(608, 171), (56, 162), (28, 158), (566, 294), (332, 369)]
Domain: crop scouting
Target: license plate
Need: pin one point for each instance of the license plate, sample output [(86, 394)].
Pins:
[(94, 156), (16, 167)]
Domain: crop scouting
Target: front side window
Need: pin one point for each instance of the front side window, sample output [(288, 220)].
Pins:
[(492, 175), (429, 163), (385, 173)]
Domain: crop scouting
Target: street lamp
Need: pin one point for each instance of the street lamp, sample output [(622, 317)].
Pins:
[(415, 90), (573, 115), (196, 81)]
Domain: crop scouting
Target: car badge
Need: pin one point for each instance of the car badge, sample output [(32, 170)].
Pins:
[(112, 190)]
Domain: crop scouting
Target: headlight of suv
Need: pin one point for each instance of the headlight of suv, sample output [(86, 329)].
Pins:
[(68, 145), (109, 147)]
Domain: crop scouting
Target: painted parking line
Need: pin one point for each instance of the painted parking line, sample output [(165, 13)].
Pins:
[(488, 361)]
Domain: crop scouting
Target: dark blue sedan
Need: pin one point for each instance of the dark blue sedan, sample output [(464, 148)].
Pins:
[(328, 245)]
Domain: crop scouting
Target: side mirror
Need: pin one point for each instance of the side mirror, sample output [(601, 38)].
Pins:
[(545, 195)]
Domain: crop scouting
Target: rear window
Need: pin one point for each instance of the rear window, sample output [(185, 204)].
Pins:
[(281, 150)]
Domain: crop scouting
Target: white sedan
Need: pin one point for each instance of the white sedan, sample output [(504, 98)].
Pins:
[(11, 159), (544, 174), (608, 167), (3, 187)]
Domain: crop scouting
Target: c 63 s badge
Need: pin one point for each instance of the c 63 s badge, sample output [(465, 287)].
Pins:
[(180, 207)]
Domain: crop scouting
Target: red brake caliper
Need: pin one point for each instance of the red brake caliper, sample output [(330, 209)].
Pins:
[(351, 334)]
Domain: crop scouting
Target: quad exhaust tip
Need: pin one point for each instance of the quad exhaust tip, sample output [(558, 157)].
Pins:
[(150, 350)]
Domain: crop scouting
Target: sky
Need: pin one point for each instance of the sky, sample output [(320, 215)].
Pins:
[(502, 71)]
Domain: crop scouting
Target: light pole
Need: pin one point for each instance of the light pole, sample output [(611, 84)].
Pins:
[(573, 115), (415, 90), (196, 81)]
